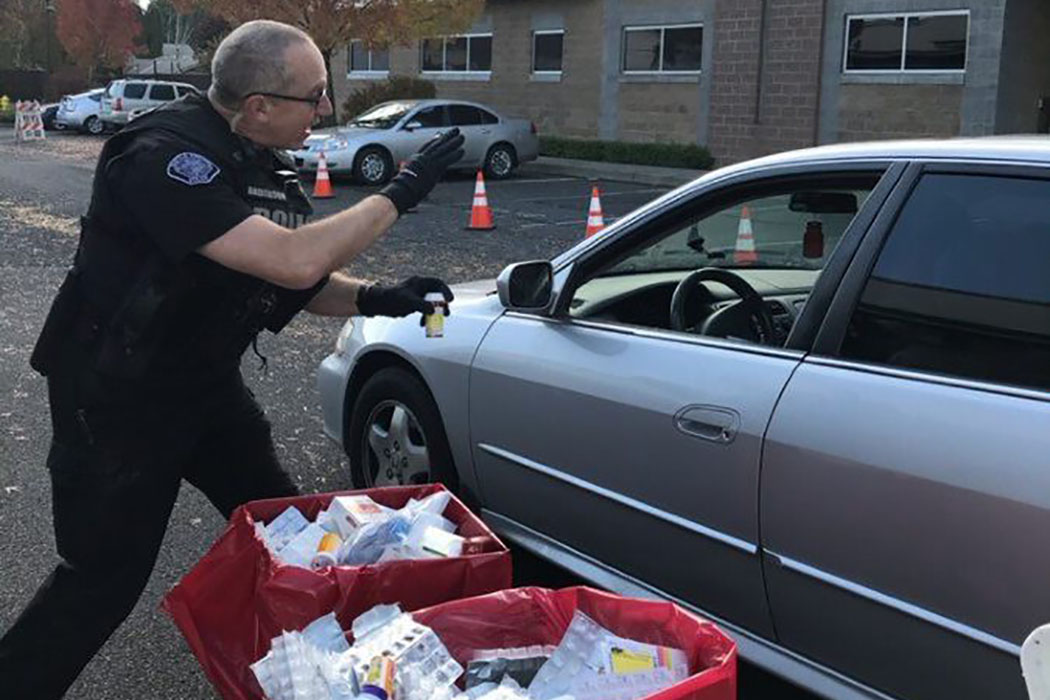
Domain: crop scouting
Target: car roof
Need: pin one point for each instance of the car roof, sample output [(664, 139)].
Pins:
[(1026, 148), (426, 102)]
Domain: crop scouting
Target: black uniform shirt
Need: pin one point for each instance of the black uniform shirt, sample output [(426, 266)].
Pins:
[(173, 196)]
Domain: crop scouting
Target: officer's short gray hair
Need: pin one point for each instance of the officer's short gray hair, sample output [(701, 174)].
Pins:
[(252, 59)]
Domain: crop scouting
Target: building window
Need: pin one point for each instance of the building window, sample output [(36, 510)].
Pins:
[(471, 53), (547, 51), (668, 49), (928, 41), (361, 59)]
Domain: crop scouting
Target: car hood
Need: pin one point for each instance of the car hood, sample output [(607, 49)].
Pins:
[(477, 288), (350, 133)]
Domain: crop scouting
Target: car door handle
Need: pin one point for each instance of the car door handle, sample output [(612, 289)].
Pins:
[(712, 423)]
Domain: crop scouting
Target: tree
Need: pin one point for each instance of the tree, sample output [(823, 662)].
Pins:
[(24, 33), (163, 24), (98, 34), (333, 23)]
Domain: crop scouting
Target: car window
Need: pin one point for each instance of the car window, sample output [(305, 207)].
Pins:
[(184, 90), (767, 231), (784, 233), (961, 285), (488, 117), (464, 115), (95, 97), (134, 91), (383, 116), (162, 92), (431, 116)]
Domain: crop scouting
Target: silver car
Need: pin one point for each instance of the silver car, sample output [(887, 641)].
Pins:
[(371, 146), (81, 111), (807, 396)]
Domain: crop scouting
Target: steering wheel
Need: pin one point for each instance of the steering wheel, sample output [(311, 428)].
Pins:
[(747, 319)]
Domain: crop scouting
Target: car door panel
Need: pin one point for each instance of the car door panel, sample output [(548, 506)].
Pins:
[(897, 502), (905, 488), (575, 436)]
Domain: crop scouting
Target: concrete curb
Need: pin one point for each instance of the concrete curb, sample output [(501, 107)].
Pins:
[(617, 172)]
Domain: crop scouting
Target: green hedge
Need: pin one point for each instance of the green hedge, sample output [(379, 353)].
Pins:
[(399, 87), (670, 155)]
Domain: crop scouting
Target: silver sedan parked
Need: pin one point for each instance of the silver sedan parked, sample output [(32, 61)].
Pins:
[(81, 111), (808, 396), (372, 145)]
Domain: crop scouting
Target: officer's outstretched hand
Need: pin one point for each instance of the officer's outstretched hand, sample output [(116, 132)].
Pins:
[(402, 299), (423, 170)]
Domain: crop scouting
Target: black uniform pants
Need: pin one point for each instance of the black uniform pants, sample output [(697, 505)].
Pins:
[(115, 472)]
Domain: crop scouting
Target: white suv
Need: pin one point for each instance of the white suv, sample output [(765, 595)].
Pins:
[(125, 99)]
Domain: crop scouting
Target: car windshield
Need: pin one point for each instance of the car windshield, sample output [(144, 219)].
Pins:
[(778, 228), (382, 116)]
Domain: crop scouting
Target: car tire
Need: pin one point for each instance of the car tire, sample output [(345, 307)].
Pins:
[(373, 166), (386, 459), (94, 126), (500, 161)]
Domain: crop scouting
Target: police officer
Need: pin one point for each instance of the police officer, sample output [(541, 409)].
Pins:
[(196, 239)]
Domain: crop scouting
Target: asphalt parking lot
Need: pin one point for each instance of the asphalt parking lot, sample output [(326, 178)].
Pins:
[(44, 188)]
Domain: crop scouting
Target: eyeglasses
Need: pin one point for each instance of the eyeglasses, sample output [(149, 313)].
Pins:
[(313, 101)]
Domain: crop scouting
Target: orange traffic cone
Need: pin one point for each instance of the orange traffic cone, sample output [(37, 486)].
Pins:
[(480, 214), (745, 239), (322, 185), (595, 221)]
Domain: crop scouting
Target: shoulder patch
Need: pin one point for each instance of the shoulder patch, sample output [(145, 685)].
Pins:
[(192, 169)]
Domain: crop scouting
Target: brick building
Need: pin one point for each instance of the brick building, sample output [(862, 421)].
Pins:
[(744, 77)]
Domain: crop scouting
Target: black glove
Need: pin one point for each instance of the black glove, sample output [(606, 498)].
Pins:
[(423, 170), (401, 299)]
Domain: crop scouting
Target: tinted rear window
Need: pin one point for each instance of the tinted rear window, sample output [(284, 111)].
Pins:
[(134, 91), (162, 92), (464, 115)]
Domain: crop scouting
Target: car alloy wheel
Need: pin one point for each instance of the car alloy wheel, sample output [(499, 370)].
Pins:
[(373, 167), (500, 162), (394, 449), (94, 126)]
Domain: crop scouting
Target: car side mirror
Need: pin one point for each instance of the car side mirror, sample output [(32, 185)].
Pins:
[(412, 126), (526, 286)]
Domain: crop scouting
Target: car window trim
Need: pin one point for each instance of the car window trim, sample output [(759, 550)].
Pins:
[(716, 194), (929, 377), (828, 344), (662, 334)]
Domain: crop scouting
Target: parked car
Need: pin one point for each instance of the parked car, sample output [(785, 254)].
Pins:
[(47, 116), (371, 145), (834, 442), (125, 97), (81, 111)]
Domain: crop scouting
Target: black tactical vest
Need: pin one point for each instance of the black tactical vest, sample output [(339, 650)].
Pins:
[(143, 316)]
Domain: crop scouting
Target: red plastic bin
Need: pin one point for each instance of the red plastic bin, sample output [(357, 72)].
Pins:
[(538, 616), (238, 598)]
